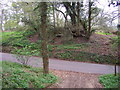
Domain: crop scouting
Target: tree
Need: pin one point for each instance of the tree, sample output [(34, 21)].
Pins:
[(30, 16), (53, 6), (43, 30), (81, 16), (89, 20), (4, 15), (2, 19), (10, 25)]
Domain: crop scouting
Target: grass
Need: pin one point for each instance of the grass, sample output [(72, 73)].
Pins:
[(110, 81), (86, 57), (67, 46), (71, 46), (18, 39), (101, 33), (15, 38), (15, 75)]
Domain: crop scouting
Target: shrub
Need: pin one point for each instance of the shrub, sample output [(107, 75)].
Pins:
[(109, 81), (23, 54)]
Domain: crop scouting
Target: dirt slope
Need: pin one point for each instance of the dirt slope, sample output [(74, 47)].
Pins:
[(76, 80)]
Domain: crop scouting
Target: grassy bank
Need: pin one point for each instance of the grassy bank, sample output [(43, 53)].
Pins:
[(18, 43), (15, 75), (86, 57)]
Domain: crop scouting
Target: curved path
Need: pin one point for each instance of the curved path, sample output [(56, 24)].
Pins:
[(65, 65)]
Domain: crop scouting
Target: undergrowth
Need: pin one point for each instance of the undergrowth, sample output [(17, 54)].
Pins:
[(15, 75), (110, 81)]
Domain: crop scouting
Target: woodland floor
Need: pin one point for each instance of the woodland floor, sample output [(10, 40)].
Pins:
[(99, 44), (76, 80)]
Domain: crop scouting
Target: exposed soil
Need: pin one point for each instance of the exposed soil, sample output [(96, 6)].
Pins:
[(76, 80), (6, 49), (34, 38), (99, 44), (59, 40)]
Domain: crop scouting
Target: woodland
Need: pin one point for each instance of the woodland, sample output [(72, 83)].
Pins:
[(69, 31)]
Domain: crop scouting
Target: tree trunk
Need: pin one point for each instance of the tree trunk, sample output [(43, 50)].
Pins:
[(70, 12), (2, 19), (57, 18), (117, 62), (43, 30), (54, 14), (78, 19), (89, 20), (72, 15), (73, 19), (78, 13)]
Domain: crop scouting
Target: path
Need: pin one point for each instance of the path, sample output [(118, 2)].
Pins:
[(66, 65), (76, 80)]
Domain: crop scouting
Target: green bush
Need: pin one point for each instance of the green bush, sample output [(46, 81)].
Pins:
[(110, 81), (23, 54), (27, 50)]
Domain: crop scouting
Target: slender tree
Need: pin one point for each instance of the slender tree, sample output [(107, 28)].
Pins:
[(53, 5), (89, 20), (2, 19), (43, 30)]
